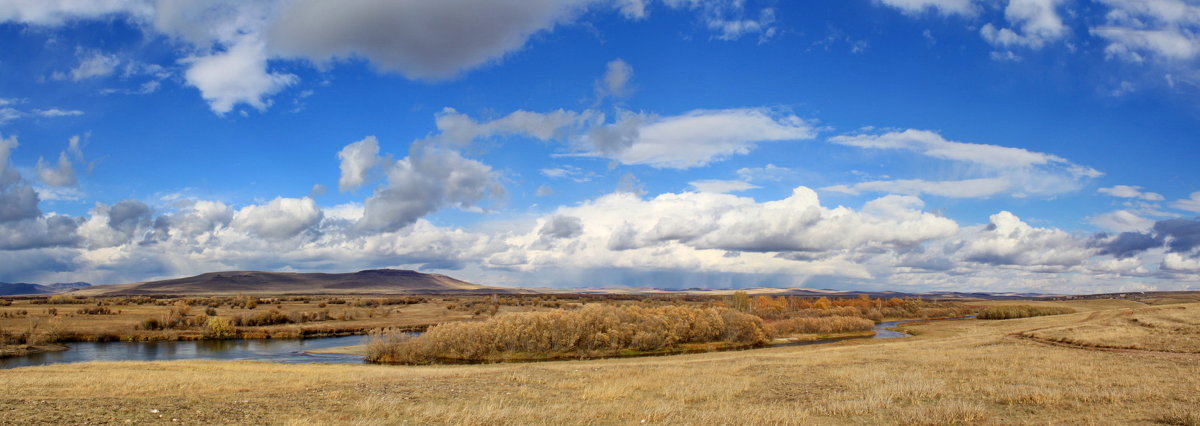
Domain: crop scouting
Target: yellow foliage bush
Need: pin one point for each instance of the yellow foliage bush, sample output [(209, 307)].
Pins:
[(219, 328)]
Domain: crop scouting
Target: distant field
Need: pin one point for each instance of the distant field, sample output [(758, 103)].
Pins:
[(952, 372)]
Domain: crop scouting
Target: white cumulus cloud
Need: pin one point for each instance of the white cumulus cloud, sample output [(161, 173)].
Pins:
[(357, 161), (278, 219), (237, 75)]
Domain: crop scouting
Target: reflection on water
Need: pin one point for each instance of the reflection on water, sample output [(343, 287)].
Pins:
[(272, 350)]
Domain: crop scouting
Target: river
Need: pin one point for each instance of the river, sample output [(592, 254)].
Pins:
[(288, 351)]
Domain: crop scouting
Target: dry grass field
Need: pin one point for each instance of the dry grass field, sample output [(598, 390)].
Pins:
[(1171, 328), (952, 372)]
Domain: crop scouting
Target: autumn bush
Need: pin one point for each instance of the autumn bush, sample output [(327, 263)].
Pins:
[(219, 328), (1020, 311), (271, 317), (821, 325), (97, 310), (595, 330)]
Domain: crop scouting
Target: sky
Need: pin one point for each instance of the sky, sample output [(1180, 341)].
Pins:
[(916, 145)]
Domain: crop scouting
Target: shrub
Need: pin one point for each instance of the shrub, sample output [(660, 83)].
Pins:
[(1020, 311), (210, 311), (595, 328), (40, 334), (98, 310), (219, 328), (60, 299), (821, 325), (244, 301), (5, 302), (271, 317), (151, 324)]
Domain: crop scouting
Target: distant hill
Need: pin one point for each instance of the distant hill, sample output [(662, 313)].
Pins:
[(12, 289), (374, 281)]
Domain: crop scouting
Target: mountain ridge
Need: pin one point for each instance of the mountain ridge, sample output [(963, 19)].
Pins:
[(370, 281), (20, 289)]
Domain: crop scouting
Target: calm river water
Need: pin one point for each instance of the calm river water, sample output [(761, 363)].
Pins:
[(273, 350)]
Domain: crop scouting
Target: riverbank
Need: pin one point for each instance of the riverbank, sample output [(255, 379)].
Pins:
[(951, 372), (24, 350)]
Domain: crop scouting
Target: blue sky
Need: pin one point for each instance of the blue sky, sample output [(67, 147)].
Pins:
[(1000, 145)]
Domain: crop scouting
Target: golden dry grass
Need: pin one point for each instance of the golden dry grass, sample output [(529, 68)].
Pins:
[(1173, 328), (953, 372)]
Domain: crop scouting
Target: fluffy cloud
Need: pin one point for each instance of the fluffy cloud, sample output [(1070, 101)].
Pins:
[(1126, 191), (122, 223), (934, 145), (459, 129), (692, 139), (1007, 240), (63, 174), (1122, 221), (1015, 171), (1173, 235), (1175, 262), (57, 12), (967, 188), (1180, 235), (700, 137), (943, 7), (560, 226), (279, 219), (22, 225), (229, 44), (1036, 22), (198, 218), (728, 19), (721, 186), (615, 82), (357, 161), (769, 172), (18, 200), (1191, 204), (694, 231), (55, 112), (237, 75), (93, 66), (428, 179), (9, 114), (1136, 29), (38, 232), (418, 39)]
